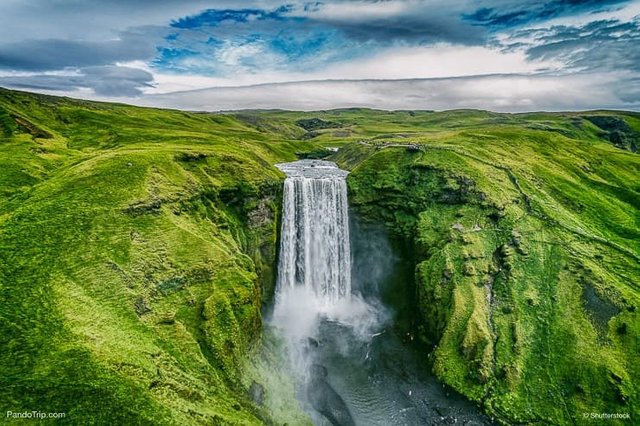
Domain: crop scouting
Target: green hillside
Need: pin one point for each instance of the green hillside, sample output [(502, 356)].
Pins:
[(135, 246), (138, 245)]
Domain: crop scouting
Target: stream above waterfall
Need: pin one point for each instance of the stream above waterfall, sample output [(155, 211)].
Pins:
[(339, 293)]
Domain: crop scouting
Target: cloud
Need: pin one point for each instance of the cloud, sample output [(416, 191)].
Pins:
[(516, 14), (495, 92), (93, 20), (53, 54), (411, 21), (439, 61), (390, 63), (324, 37), (306, 36), (109, 81), (215, 17), (596, 46), (246, 41)]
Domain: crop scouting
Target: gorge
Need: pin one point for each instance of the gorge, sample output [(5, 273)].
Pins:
[(157, 267), (339, 340)]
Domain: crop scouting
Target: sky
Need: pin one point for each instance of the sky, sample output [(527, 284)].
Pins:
[(499, 55)]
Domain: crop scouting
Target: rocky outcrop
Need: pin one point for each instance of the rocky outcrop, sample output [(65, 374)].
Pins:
[(326, 400), (617, 131)]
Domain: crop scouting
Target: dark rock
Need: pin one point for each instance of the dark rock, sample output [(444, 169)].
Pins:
[(256, 392), (600, 309), (318, 371), (447, 273), (262, 215), (140, 208), (26, 126), (617, 131), (171, 285), (141, 305), (326, 400), (310, 135)]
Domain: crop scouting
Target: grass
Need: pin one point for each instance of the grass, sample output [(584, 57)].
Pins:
[(513, 226), (137, 246)]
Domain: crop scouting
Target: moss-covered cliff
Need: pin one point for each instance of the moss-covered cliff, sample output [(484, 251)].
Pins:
[(135, 247), (527, 263)]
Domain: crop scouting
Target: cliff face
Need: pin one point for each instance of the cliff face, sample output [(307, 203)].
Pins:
[(526, 263)]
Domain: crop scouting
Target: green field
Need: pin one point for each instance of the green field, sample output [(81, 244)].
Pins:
[(138, 245)]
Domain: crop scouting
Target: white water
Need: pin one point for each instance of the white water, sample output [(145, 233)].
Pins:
[(314, 249), (314, 270)]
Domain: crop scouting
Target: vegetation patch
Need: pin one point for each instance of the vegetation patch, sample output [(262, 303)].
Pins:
[(311, 124)]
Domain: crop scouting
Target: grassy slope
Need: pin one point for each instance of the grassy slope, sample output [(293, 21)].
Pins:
[(527, 234), (134, 245), (125, 209)]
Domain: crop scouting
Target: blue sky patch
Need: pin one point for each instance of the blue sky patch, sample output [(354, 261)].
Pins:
[(217, 42)]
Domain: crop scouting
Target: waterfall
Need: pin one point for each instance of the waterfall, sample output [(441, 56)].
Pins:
[(346, 368), (314, 248), (314, 281)]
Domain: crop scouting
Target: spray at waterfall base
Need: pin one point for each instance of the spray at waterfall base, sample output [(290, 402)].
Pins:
[(314, 271)]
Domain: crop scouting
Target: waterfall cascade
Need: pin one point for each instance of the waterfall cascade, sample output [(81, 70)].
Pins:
[(314, 276), (348, 369), (314, 249)]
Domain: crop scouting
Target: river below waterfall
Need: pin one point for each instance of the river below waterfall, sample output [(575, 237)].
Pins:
[(336, 305)]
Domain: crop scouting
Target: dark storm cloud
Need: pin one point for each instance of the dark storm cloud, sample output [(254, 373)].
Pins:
[(523, 13), (213, 17), (416, 22), (413, 28), (54, 54), (110, 81)]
